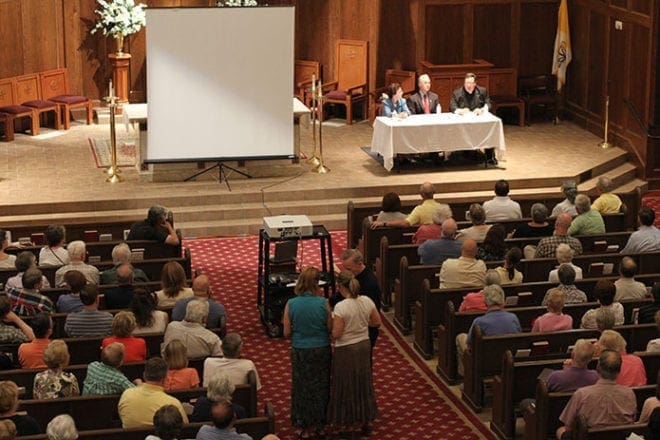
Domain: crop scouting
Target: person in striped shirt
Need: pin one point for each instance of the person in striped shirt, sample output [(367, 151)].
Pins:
[(89, 321)]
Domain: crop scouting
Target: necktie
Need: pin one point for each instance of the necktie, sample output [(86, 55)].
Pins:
[(427, 108)]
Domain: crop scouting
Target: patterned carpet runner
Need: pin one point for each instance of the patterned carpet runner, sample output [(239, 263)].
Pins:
[(413, 403)]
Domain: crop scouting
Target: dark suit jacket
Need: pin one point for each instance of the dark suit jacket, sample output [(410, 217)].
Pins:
[(461, 99), (417, 107)]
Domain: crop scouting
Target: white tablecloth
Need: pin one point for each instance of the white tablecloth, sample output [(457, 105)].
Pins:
[(429, 133)]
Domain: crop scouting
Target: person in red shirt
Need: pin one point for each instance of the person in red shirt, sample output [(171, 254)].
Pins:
[(633, 373), (179, 375), (123, 325), (474, 301), (30, 354)]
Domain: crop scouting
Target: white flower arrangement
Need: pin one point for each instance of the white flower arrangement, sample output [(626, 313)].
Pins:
[(236, 3), (120, 17)]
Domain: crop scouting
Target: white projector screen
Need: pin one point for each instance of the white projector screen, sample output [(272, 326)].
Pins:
[(219, 83)]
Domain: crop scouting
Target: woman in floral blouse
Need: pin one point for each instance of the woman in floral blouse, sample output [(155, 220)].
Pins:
[(54, 382)]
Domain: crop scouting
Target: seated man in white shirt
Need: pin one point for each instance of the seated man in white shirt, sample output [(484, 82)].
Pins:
[(647, 237), (237, 369), (626, 286), (501, 207)]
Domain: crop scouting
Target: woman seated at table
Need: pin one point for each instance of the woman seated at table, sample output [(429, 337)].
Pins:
[(394, 102)]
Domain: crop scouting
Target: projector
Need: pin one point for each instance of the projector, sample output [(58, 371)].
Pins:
[(284, 226)]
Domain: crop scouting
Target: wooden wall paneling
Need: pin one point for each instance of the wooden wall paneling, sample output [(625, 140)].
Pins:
[(652, 171), (641, 6), (444, 26), (597, 62), (11, 29), (396, 42), (577, 85), (623, 4), (538, 26), (359, 21), (492, 33), (73, 53), (617, 80), (316, 28), (95, 68), (41, 36), (638, 75)]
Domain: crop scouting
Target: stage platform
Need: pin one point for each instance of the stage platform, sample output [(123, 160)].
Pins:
[(54, 178)]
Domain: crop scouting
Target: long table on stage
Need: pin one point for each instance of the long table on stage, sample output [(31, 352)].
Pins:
[(431, 133)]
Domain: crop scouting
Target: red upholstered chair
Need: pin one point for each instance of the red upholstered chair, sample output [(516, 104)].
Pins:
[(350, 84), (8, 105), (55, 87), (27, 89)]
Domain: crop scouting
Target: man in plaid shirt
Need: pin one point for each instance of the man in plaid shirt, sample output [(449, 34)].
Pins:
[(548, 246), (28, 301)]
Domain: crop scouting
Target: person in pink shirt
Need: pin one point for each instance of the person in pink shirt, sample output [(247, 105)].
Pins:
[(474, 301), (632, 373), (554, 320)]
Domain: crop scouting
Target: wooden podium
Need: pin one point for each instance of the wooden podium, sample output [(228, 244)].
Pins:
[(120, 65)]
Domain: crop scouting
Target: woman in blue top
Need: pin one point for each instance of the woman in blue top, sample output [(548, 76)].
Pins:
[(308, 321), (395, 102)]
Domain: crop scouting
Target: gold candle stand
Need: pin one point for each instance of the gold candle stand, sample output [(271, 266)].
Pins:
[(113, 171), (605, 144)]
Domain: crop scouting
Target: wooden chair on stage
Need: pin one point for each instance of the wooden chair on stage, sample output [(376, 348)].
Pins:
[(404, 77), (27, 89), (9, 105), (539, 91), (55, 87), (350, 85), (8, 121), (303, 71)]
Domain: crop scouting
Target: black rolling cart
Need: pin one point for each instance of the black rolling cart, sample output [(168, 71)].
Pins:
[(275, 286)]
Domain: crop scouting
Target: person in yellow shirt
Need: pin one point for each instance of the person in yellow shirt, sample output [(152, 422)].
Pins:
[(607, 202), (422, 214)]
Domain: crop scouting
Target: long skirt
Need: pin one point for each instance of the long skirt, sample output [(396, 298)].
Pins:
[(310, 386), (352, 396)]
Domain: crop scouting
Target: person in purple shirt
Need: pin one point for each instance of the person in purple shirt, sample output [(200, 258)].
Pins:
[(575, 373), (438, 250)]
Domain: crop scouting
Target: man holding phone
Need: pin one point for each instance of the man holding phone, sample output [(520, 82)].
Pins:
[(157, 226)]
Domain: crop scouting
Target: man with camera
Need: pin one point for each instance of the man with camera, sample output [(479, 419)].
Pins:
[(157, 226)]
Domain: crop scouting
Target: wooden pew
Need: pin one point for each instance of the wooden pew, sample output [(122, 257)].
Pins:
[(617, 432), (54, 292), (76, 231), (542, 420), (103, 249)]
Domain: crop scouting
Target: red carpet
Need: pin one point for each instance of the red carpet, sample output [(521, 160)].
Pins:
[(413, 403), (652, 200)]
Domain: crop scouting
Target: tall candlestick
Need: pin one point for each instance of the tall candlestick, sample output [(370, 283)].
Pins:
[(111, 91), (313, 84), (320, 88)]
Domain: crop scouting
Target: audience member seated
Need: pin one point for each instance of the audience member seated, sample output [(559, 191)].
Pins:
[(6, 260), (156, 227), (173, 281), (604, 319), (223, 417), (588, 221), (54, 382), (237, 369), (434, 230), (501, 207), (24, 261), (89, 321), (538, 227), (626, 286), (123, 325), (436, 251), (632, 372), (28, 301), (62, 427), (25, 424), (569, 188), (474, 301), (138, 405), (121, 254), (508, 272), (179, 375), (8, 430), (218, 388), (394, 104), (54, 253), (201, 288), (654, 344), (104, 377), (496, 321), (464, 271), (200, 341), (564, 254), (168, 424), (70, 302), (572, 295), (547, 246), (30, 354), (17, 333), (575, 373), (604, 403), (604, 293), (120, 297), (148, 319), (554, 320), (607, 202), (77, 254), (493, 247), (478, 230), (647, 312), (390, 208), (650, 404), (647, 237), (421, 215)]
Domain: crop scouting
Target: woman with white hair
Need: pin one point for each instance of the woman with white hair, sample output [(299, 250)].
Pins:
[(434, 230), (218, 388), (564, 255), (538, 227), (62, 427)]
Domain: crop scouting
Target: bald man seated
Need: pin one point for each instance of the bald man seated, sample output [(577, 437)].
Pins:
[(464, 271), (224, 419), (202, 291)]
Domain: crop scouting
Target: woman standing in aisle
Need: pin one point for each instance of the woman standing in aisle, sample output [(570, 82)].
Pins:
[(307, 321)]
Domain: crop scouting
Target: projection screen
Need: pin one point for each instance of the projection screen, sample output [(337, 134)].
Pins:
[(219, 83)]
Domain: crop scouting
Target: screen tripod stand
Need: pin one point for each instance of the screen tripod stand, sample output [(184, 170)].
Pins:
[(222, 173)]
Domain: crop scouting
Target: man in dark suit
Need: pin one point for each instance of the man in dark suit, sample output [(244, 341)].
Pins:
[(475, 99), (424, 101)]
